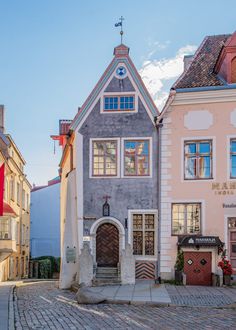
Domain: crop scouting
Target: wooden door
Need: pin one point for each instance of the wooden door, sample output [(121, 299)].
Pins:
[(197, 267), (107, 245)]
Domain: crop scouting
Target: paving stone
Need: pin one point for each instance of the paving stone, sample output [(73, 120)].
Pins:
[(44, 306)]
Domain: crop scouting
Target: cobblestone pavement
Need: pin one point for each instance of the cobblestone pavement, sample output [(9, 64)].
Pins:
[(43, 306), (201, 296)]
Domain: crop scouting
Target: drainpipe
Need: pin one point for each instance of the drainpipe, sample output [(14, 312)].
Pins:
[(159, 125)]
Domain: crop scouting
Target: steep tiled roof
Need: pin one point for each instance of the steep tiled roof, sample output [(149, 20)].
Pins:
[(200, 72)]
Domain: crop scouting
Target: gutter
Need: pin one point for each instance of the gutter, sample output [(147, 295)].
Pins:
[(205, 88), (159, 125)]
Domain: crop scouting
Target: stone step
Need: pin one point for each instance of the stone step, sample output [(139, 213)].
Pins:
[(106, 270), (106, 275), (75, 287), (106, 281)]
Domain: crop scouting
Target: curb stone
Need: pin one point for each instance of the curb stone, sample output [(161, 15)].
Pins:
[(136, 303), (11, 321)]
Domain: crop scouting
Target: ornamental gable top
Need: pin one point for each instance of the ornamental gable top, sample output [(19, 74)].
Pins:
[(121, 59)]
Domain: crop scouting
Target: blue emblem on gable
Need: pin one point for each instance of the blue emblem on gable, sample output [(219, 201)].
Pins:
[(121, 71)]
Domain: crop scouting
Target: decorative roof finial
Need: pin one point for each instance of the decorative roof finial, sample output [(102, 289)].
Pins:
[(121, 19)]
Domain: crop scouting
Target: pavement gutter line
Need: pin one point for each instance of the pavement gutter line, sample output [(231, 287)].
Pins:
[(11, 321)]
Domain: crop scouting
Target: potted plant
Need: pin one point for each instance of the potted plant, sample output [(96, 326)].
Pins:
[(227, 270), (179, 267)]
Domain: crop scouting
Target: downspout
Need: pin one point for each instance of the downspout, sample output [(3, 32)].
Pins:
[(159, 125)]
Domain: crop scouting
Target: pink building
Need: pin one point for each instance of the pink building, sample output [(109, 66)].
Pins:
[(198, 163)]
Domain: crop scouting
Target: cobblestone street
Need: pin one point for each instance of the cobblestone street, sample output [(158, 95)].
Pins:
[(44, 306)]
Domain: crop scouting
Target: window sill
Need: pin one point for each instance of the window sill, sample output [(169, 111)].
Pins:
[(199, 179)]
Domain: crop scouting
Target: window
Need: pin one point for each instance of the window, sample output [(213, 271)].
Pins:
[(12, 189), (17, 233), (144, 234), (5, 229), (186, 219), (23, 234), (136, 158), (104, 154), (6, 190), (23, 199), (233, 158), (18, 193), (198, 159), (27, 202), (119, 103)]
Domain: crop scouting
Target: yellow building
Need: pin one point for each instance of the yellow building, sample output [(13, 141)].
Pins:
[(15, 222)]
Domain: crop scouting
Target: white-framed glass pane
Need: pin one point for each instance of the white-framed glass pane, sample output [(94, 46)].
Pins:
[(205, 167), (136, 158), (204, 147), (190, 167)]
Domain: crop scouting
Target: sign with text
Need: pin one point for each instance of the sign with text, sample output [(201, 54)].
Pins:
[(224, 188), (200, 240), (70, 254)]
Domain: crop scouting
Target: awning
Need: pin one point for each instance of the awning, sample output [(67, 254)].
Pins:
[(7, 210), (197, 241)]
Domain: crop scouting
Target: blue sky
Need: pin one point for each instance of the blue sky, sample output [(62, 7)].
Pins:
[(53, 52)]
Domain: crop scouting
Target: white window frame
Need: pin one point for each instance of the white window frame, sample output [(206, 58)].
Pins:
[(229, 138), (198, 138), (142, 138), (119, 94), (130, 231), (91, 176)]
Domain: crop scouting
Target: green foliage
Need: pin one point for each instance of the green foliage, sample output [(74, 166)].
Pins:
[(47, 265), (179, 264), (45, 269)]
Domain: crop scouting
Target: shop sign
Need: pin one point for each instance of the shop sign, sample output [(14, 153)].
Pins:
[(200, 241), (229, 206), (224, 188)]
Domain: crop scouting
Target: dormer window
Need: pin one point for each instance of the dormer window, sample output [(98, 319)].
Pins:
[(119, 103)]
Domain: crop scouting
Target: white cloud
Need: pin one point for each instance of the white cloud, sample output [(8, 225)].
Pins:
[(158, 75)]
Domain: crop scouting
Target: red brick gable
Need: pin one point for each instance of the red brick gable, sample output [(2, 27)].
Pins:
[(226, 65)]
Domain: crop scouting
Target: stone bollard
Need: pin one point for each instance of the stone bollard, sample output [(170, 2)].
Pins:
[(127, 266)]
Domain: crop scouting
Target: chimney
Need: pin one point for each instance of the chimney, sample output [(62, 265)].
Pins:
[(187, 61), (1, 118)]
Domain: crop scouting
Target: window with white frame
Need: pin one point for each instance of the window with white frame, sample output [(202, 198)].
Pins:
[(233, 158), (186, 218), (104, 158), (144, 234), (198, 159), (136, 158), (5, 229), (119, 103)]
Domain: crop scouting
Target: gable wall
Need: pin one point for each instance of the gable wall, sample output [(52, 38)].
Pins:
[(126, 193)]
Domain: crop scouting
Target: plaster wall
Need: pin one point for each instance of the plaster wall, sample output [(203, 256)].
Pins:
[(176, 189)]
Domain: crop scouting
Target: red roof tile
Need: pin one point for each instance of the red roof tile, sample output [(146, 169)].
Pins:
[(200, 72)]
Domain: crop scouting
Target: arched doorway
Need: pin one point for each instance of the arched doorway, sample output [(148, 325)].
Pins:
[(107, 245)]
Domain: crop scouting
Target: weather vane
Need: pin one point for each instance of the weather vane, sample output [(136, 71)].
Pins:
[(121, 19)]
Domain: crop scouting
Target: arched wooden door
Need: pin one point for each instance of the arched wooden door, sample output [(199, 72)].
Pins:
[(107, 245)]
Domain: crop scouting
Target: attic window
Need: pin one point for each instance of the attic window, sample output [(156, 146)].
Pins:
[(119, 103), (233, 70)]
